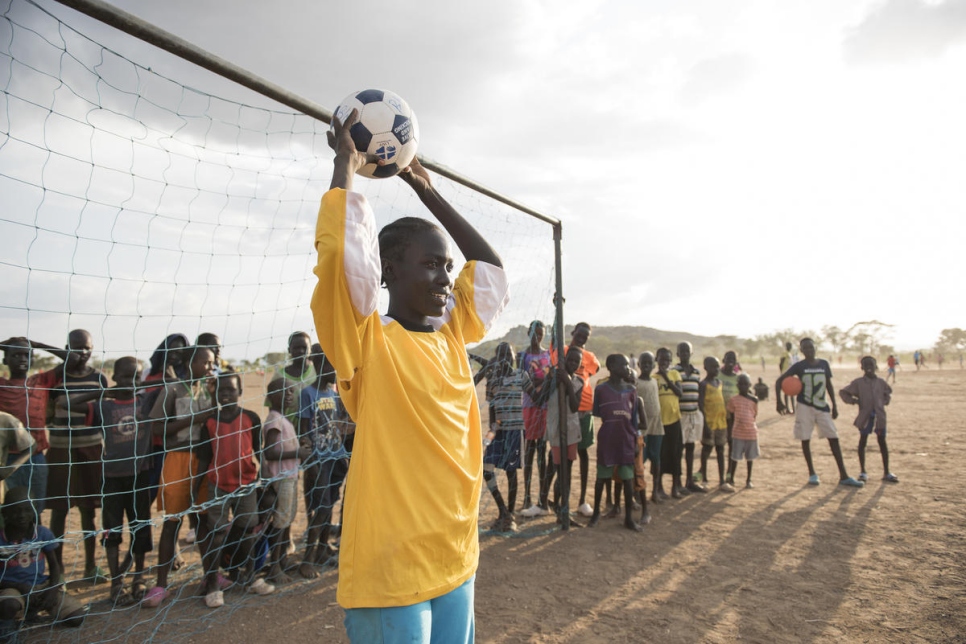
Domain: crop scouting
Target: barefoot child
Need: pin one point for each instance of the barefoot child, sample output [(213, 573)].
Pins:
[(280, 468), (615, 403), (416, 475), (871, 394), (712, 403), (744, 430)]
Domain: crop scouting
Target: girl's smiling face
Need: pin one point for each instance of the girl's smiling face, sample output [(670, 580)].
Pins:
[(421, 282)]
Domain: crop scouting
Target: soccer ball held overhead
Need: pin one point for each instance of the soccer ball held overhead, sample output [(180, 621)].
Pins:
[(386, 128)]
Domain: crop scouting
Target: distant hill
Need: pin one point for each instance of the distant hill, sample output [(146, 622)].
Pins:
[(629, 340)]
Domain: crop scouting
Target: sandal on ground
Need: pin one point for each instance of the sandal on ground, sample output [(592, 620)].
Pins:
[(138, 589), (215, 599), (120, 596), (154, 597), (863, 477), (890, 478)]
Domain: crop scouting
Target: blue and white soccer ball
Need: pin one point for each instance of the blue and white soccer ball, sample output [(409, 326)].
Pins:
[(386, 128)]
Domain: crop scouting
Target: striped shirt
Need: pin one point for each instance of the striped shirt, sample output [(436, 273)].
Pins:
[(689, 388), (71, 427), (507, 400), (745, 410)]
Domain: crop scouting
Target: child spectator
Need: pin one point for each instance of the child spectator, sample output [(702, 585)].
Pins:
[(298, 373), (692, 421), (669, 394), (15, 447), (871, 394), (712, 403), (564, 382), (813, 409), (127, 445), (590, 366), (535, 363), (325, 437), (227, 463), (74, 475), (744, 430), (504, 386), (728, 376), (761, 390), (280, 468), (167, 366), (178, 415), (406, 374), (784, 363), (647, 391), (211, 341), (615, 403), (25, 397), (26, 552)]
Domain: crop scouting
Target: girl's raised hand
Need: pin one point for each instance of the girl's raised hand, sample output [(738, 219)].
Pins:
[(340, 140), (416, 176)]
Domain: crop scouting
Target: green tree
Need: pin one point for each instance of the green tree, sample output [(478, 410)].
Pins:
[(951, 340), (834, 337)]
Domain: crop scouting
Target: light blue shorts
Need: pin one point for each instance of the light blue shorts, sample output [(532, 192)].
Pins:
[(448, 619)]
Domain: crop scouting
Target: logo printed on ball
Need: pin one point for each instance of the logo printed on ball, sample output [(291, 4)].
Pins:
[(386, 150)]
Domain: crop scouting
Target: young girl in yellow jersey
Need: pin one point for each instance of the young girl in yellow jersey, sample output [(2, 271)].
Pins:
[(711, 401), (409, 548)]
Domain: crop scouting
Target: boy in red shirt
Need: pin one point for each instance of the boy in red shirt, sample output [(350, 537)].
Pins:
[(227, 455)]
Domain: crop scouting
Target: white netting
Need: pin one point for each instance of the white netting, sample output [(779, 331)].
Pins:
[(137, 208)]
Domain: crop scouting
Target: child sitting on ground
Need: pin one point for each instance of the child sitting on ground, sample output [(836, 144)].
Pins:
[(744, 430), (25, 547), (871, 394)]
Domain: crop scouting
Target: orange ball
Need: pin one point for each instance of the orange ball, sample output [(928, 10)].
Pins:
[(792, 386)]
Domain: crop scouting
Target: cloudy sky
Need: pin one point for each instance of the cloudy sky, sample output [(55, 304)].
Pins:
[(719, 167)]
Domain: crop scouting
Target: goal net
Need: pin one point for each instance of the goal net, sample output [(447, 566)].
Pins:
[(143, 209)]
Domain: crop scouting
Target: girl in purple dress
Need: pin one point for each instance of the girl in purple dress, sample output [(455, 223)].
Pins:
[(615, 403)]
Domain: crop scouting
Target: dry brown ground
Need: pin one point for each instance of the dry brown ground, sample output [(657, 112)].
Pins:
[(784, 562)]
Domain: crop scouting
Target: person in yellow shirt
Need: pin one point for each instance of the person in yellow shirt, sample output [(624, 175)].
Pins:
[(669, 397), (409, 548)]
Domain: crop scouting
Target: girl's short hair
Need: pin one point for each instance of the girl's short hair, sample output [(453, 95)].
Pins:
[(395, 237)]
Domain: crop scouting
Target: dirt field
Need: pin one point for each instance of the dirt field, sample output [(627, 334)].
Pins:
[(783, 562)]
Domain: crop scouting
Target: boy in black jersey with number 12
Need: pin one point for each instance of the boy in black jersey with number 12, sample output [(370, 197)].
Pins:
[(813, 409)]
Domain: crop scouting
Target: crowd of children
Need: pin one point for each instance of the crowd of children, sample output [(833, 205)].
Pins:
[(179, 437), (658, 416)]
